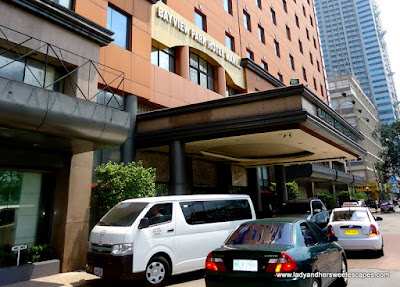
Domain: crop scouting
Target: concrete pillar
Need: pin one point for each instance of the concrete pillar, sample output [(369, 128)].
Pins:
[(71, 212), (310, 189), (280, 178), (224, 178), (221, 81), (128, 147), (254, 189), (177, 168), (182, 65)]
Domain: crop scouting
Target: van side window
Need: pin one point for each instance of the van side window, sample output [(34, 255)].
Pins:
[(212, 211), (160, 213)]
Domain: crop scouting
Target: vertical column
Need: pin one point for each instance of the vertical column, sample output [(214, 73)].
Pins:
[(177, 171), (310, 189), (182, 56), (71, 212), (280, 178), (224, 178), (254, 189), (221, 81), (128, 147)]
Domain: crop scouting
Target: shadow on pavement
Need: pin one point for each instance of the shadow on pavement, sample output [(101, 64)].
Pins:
[(187, 277), (362, 254)]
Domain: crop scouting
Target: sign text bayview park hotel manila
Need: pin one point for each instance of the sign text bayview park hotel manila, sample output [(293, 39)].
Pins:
[(196, 36)]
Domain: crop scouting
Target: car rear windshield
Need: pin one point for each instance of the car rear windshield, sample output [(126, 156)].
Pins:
[(123, 214), (353, 215), (265, 233)]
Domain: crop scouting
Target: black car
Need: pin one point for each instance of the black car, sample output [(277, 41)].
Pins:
[(271, 252)]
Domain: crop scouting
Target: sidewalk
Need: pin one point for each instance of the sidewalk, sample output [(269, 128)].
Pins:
[(62, 279)]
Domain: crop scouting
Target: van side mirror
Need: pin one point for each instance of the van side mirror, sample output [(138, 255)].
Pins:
[(379, 218), (144, 222)]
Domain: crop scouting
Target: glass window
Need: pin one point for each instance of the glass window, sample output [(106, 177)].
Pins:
[(246, 20), (264, 65), (277, 50), (307, 34), (309, 237), (291, 59), (258, 3), (65, 3), (297, 21), (9, 68), (311, 59), (273, 16), (284, 4), (30, 71), (229, 42), (264, 233), (163, 58), (280, 77), (200, 20), (228, 6), (119, 24), (201, 72), (25, 209), (261, 36), (249, 54), (159, 213), (123, 214), (350, 215), (301, 47), (304, 74), (230, 91), (288, 34), (212, 211), (109, 99)]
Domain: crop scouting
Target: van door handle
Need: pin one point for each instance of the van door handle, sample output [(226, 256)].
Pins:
[(170, 230)]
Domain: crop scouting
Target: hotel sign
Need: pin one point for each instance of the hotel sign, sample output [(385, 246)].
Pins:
[(197, 36), (336, 124)]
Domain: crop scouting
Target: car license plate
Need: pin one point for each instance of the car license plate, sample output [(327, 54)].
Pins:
[(245, 265), (98, 271), (351, 232)]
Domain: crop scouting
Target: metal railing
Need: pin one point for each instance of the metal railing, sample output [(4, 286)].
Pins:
[(78, 74)]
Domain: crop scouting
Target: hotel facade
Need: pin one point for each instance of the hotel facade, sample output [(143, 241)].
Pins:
[(218, 96)]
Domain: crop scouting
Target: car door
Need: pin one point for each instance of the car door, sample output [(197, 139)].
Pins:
[(318, 251), (157, 237), (333, 252)]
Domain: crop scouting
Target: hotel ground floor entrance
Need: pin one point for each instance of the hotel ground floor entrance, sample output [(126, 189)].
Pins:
[(220, 145)]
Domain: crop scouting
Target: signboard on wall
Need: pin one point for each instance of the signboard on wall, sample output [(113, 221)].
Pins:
[(171, 29)]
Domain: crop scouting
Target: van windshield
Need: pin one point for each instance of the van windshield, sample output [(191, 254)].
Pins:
[(123, 214)]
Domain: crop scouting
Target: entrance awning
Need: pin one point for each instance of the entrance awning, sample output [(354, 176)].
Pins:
[(286, 125)]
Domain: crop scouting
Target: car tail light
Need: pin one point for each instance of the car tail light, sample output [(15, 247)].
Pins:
[(373, 231), (330, 231), (215, 264), (285, 263)]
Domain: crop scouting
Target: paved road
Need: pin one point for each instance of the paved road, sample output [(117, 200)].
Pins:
[(357, 261)]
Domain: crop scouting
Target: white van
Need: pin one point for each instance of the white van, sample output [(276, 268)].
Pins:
[(154, 238)]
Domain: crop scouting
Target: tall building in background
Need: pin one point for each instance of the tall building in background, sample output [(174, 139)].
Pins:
[(353, 45)]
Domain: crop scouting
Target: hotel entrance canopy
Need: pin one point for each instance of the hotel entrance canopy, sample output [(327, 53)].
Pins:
[(283, 126)]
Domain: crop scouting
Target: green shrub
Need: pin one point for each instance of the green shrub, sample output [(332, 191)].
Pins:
[(328, 199), (117, 182), (292, 189)]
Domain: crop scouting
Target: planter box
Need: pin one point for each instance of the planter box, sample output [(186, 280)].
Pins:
[(9, 275)]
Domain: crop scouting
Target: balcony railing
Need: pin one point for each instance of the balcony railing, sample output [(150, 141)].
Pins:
[(26, 59)]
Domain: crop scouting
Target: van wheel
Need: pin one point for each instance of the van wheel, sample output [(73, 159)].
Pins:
[(315, 283), (342, 281), (157, 272)]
